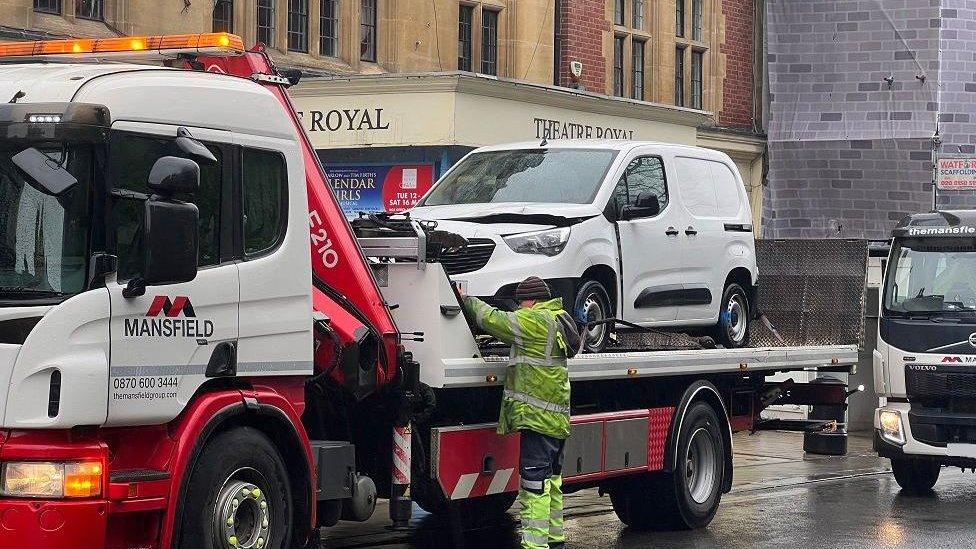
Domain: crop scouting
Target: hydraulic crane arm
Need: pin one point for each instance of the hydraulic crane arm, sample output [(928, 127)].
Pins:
[(344, 287)]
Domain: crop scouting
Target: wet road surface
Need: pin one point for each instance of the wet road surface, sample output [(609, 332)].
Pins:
[(780, 498)]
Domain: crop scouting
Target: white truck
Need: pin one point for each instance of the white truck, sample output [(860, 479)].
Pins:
[(925, 362), (196, 351)]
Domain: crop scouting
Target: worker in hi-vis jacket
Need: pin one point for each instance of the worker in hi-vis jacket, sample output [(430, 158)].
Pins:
[(535, 402)]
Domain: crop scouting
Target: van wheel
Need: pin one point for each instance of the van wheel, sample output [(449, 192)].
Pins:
[(593, 303), (732, 330), (238, 495), (916, 476)]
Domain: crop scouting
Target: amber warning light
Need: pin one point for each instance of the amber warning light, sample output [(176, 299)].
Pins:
[(210, 43)]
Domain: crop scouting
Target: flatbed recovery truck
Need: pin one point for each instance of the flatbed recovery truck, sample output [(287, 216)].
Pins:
[(196, 350)]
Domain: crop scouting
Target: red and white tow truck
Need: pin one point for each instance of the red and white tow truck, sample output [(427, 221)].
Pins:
[(196, 350)]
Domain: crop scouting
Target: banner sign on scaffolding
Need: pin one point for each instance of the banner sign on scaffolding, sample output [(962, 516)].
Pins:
[(956, 173)]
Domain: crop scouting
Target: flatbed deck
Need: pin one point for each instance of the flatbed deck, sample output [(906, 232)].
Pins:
[(480, 372)]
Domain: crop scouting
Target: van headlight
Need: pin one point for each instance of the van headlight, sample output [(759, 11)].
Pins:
[(891, 427), (51, 479), (549, 242)]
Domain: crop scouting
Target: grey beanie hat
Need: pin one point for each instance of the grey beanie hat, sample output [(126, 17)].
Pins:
[(532, 288)]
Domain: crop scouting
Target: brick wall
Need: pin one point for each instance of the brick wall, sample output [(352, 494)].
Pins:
[(582, 25), (737, 105)]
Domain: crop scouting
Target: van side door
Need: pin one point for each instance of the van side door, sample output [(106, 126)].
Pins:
[(650, 249), (163, 340), (715, 201)]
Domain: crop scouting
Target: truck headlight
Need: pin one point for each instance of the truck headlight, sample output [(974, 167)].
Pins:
[(891, 426), (548, 242), (48, 479)]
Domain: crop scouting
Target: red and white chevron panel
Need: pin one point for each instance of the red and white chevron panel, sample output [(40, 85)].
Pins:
[(474, 460), (401, 455)]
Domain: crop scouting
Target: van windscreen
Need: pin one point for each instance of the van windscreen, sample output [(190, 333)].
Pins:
[(568, 176)]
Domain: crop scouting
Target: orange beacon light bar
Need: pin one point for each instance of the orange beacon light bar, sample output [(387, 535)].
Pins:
[(209, 43)]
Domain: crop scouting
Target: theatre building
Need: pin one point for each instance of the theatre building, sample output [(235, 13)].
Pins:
[(399, 90)]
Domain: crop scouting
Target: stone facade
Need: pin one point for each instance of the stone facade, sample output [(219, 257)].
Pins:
[(858, 91)]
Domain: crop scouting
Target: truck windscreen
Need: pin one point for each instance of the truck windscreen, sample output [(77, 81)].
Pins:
[(566, 176), (931, 276), (43, 238)]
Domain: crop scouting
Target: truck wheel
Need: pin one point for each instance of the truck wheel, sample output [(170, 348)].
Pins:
[(593, 303), (238, 495), (734, 315), (688, 497), (916, 476)]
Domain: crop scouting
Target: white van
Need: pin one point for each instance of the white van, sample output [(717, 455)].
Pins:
[(654, 234)]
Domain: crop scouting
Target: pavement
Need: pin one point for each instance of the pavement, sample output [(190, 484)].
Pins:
[(780, 497)]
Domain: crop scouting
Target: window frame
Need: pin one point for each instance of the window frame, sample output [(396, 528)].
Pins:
[(697, 79), (100, 12), (283, 206), (329, 22), (619, 43), (229, 21), (489, 42), (297, 33), (637, 72), (226, 240), (619, 7), (271, 9), (54, 7), (697, 19), (465, 37), (679, 18), (623, 177), (370, 39), (637, 15), (679, 76)]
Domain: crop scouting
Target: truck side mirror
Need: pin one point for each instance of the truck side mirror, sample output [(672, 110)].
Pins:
[(646, 205), (170, 227)]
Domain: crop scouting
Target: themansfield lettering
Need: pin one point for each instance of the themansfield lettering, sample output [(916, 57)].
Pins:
[(546, 128), (344, 120), (926, 231)]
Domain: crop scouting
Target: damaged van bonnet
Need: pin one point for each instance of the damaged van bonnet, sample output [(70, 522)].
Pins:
[(653, 234)]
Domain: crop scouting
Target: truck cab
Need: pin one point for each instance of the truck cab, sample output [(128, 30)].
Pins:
[(925, 363)]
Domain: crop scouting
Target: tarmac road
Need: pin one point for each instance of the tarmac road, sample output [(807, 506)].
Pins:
[(781, 498)]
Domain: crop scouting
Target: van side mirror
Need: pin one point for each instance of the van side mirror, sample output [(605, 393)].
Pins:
[(646, 205), (170, 227)]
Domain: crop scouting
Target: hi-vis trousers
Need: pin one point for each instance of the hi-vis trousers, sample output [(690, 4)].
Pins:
[(541, 491)]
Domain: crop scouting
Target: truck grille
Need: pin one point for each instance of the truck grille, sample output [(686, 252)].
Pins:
[(470, 258), (940, 385)]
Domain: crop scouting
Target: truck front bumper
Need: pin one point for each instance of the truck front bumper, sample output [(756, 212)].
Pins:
[(961, 455), (52, 523)]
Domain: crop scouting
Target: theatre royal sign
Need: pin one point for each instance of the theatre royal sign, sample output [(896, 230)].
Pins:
[(437, 110)]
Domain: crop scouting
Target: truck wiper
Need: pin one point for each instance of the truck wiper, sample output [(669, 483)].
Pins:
[(22, 291)]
